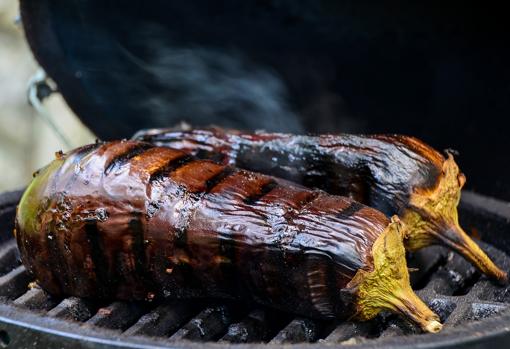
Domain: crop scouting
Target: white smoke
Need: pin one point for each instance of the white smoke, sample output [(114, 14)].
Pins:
[(205, 86)]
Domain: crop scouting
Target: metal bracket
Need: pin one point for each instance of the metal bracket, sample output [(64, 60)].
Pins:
[(41, 87)]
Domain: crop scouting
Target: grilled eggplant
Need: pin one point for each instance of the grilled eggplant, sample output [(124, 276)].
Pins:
[(128, 220), (395, 174)]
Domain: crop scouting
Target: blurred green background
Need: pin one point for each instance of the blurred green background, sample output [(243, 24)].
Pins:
[(26, 141)]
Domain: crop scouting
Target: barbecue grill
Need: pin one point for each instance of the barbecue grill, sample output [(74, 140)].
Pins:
[(83, 46), (474, 310)]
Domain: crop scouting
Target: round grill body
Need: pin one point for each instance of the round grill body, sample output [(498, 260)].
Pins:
[(475, 311)]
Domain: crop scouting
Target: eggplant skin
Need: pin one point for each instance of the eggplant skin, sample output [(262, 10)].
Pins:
[(129, 220), (395, 174), (380, 171)]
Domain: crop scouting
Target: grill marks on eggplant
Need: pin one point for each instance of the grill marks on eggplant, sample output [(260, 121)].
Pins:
[(138, 242), (81, 152), (321, 286), (296, 202), (122, 158), (60, 273), (350, 210), (218, 178), (170, 166), (231, 190), (264, 189), (236, 194), (198, 177), (214, 231), (103, 280), (346, 165), (395, 174), (78, 157), (196, 174), (292, 202)]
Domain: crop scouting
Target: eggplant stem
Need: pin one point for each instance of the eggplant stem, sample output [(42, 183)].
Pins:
[(432, 218), (387, 286)]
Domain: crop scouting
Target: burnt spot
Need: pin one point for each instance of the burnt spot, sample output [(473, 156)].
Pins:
[(350, 210), (87, 149), (214, 156), (136, 229), (152, 209), (309, 199), (103, 280), (139, 244), (227, 251), (265, 189), (80, 153), (123, 158), (59, 271), (290, 214), (218, 178), (181, 231), (181, 237)]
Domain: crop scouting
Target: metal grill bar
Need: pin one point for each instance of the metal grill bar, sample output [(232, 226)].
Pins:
[(348, 330), (164, 320), (73, 308), (299, 330), (35, 299), (14, 283), (447, 278), (210, 324), (8, 257), (260, 325), (424, 264), (118, 315)]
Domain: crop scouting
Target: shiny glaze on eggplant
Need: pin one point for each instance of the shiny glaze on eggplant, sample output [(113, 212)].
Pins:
[(395, 174), (378, 170), (129, 220)]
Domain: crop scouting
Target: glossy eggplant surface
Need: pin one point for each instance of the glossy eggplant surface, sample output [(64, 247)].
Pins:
[(129, 220), (393, 173)]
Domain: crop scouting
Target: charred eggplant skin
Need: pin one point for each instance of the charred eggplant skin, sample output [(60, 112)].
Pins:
[(393, 173), (129, 220), (378, 170)]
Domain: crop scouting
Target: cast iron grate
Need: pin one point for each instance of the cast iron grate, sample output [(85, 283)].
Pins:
[(450, 285)]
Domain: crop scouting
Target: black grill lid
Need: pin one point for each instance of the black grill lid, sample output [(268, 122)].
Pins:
[(438, 72)]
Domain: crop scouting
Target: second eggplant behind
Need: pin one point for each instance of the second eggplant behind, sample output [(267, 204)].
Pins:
[(396, 174)]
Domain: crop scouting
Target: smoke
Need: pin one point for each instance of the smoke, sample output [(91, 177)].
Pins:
[(204, 86)]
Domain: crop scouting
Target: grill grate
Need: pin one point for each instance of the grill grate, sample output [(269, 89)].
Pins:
[(450, 285)]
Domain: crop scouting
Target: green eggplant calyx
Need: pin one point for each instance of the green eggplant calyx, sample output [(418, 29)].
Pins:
[(432, 218), (387, 286)]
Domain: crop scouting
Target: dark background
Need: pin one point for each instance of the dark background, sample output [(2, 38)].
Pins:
[(440, 72)]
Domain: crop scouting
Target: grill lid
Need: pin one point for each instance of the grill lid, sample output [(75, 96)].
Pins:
[(436, 73)]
